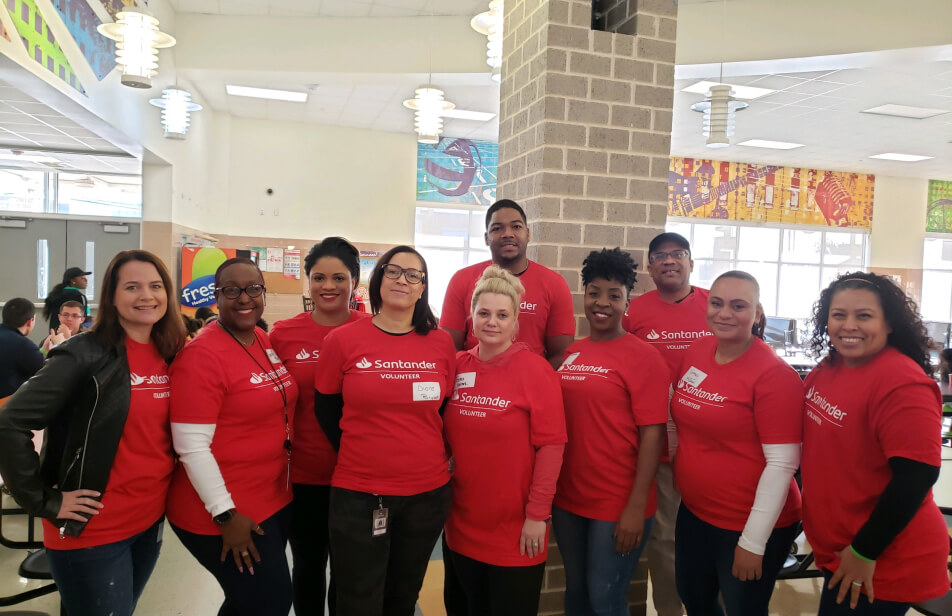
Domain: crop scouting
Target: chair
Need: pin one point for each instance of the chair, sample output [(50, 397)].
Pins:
[(34, 567), (943, 605), (801, 566)]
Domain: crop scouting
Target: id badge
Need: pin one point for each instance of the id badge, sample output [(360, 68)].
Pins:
[(381, 521)]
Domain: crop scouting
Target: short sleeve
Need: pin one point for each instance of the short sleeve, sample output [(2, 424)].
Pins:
[(198, 385), (329, 370), (561, 321), (908, 423), (649, 390), (454, 311), (277, 338), (778, 406), (546, 409)]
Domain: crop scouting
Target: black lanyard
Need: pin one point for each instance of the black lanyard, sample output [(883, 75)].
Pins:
[(272, 376)]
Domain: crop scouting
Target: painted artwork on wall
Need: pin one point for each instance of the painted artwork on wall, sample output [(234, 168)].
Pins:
[(114, 6), (81, 21), (939, 209), (700, 188), (457, 171), (39, 40)]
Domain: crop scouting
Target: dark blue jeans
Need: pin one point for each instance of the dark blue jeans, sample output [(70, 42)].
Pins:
[(703, 557), (828, 606), (596, 576), (106, 579), (268, 591)]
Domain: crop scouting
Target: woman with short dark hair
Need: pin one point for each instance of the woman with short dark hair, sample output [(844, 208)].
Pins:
[(871, 452), (381, 384), (103, 399), (332, 268)]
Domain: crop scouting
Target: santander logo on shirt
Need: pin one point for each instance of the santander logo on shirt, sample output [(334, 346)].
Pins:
[(260, 377), (581, 370), (527, 306), (678, 335), (819, 409), (155, 379), (305, 355), (396, 364), (690, 384)]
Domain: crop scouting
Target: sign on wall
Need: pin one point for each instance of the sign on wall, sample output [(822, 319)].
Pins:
[(939, 208), (700, 188), (457, 171), (198, 275)]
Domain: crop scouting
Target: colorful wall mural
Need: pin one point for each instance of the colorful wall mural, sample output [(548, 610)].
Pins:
[(39, 41), (81, 21), (700, 188), (939, 207), (457, 171)]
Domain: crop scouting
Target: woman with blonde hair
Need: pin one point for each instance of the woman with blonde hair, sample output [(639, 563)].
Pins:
[(506, 430)]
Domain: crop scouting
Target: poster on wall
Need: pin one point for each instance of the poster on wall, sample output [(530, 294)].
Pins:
[(275, 261), (700, 188), (292, 264), (457, 171), (198, 275), (368, 261), (939, 208)]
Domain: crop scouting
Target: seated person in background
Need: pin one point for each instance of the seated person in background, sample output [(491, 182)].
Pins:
[(71, 317), (204, 313), (72, 288), (19, 357), (945, 364), (191, 326)]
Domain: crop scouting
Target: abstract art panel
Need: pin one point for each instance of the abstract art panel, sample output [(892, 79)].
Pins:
[(457, 171)]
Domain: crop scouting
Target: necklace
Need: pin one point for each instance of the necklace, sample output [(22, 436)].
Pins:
[(272, 376)]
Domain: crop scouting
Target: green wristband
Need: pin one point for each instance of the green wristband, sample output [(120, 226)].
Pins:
[(860, 556)]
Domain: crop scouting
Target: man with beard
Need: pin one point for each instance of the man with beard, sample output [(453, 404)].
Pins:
[(546, 314), (670, 318)]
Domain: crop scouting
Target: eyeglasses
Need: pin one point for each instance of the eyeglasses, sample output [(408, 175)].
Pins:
[(66, 315), (658, 257), (252, 290), (413, 276)]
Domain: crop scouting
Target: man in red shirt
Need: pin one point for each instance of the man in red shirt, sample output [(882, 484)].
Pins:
[(670, 318), (546, 314)]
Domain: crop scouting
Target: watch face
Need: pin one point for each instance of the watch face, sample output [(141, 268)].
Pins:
[(223, 518)]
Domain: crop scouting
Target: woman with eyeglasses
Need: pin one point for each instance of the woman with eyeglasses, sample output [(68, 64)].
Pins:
[(872, 451), (232, 401), (333, 271), (380, 388), (103, 399), (738, 411)]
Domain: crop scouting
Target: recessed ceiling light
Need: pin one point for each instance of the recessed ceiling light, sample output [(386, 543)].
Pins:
[(276, 95), (744, 92), (905, 111), (766, 143), (463, 114), (906, 158)]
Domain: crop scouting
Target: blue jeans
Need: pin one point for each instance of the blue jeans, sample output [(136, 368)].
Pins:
[(703, 558), (596, 576), (106, 579), (829, 607), (267, 592)]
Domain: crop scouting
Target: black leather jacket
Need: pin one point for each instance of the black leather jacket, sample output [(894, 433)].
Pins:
[(81, 397)]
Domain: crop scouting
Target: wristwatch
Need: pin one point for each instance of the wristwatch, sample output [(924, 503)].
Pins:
[(224, 517)]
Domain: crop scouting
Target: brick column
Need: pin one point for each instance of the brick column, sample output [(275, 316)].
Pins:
[(584, 146)]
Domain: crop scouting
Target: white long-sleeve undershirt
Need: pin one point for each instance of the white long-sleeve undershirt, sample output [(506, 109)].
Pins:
[(193, 444), (782, 462)]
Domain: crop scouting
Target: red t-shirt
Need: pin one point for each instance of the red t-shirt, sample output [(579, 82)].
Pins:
[(610, 388), (512, 401), (134, 497), (298, 341), (546, 309), (670, 327), (724, 413), (855, 420), (214, 381), (393, 387)]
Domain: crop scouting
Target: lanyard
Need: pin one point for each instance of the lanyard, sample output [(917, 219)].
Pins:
[(272, 376)]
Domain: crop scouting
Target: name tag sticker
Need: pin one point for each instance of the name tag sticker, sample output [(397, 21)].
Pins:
[(465, 379), (273, 356), (694, 377), (423, 391)]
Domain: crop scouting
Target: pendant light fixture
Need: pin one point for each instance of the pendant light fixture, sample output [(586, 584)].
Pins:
[(176, 106), (138, 40), (719, 109), (490, 24), (428, 106)]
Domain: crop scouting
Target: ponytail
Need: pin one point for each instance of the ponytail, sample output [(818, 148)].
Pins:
[(760, 326)]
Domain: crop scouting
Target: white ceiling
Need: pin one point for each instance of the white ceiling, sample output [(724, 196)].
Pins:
[(332, 8), (822, 109), (29, 126)]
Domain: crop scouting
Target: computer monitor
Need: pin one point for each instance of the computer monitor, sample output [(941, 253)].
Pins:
[(781, 332)]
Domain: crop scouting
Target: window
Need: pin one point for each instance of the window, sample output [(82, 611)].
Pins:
[(936, 302), (38, 192), (449, 239), (791, 264)]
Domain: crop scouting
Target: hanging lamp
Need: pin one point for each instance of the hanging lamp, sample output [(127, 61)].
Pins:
[(490, 24), (176, 105), (719, 109), (428, 106), (138, 40)]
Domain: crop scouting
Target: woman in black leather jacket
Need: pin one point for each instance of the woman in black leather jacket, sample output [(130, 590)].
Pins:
[(103, 399)]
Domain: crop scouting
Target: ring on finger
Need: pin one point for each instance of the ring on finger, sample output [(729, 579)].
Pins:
[(245, 553), (858, 584)]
